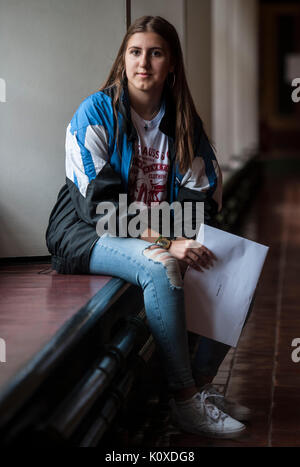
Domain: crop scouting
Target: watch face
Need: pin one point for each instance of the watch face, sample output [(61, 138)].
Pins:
[(164, 242)]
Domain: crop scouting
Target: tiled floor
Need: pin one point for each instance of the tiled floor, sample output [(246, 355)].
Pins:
[(260, 373)]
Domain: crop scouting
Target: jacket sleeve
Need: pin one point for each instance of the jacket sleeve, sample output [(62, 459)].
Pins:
[(92, 182), (203, 181)]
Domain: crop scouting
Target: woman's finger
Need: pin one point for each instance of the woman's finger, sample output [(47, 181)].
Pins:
[(195, 245), (193, 264), (200, 262), (209, 252), (201, 257), (196, 259)]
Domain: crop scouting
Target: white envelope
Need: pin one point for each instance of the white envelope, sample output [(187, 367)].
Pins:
[(217, 300)]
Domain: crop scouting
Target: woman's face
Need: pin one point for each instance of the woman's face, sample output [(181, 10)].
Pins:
[(147, 62)]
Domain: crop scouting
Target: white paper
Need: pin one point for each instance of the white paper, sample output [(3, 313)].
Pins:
[(217, 300)]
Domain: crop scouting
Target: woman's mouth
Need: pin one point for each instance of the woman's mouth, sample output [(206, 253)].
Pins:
[(144, 75)]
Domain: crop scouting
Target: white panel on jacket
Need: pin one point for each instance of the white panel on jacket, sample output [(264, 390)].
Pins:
[(96, 144)]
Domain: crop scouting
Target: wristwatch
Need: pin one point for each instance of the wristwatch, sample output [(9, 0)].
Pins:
[(163, 242)]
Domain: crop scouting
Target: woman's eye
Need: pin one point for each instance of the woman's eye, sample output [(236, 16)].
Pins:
[(155, 53)]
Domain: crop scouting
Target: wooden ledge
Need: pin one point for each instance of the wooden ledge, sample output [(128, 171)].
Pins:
[(42, 316)]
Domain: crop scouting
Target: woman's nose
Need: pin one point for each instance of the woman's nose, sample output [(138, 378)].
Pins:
[(144, 59)]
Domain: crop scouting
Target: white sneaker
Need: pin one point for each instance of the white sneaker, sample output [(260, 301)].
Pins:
[(197, 415), (232, 408)]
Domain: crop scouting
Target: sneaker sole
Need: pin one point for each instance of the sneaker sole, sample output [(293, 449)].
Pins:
[(207, 434), (240, 416)]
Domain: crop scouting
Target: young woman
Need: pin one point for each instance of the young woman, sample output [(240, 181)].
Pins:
[(140, 135)]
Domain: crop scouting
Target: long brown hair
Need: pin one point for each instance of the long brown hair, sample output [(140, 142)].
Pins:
[(185, 108)]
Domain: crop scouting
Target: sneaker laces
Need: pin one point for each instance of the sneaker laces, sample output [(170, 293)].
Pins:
[(210, 409), (213, 393)]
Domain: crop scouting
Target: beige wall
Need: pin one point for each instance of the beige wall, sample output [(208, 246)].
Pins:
[(245, 72), (172, 10), (222, 68), (199, 57), (54, 53), (234, 78)]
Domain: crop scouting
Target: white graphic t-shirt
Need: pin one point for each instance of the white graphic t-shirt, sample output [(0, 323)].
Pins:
[(150, 165)]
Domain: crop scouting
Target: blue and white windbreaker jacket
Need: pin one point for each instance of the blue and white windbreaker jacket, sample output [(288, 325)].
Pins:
[(96, 171)]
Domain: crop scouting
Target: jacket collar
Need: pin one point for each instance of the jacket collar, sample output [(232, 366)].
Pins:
[(168, 122)]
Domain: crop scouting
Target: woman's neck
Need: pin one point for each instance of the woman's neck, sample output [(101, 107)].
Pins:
[(144, 103)]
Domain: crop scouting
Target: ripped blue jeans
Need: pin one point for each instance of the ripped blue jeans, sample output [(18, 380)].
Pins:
[(158, 274)]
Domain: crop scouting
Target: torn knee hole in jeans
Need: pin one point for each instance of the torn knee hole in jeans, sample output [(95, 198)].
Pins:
[(160, 255)]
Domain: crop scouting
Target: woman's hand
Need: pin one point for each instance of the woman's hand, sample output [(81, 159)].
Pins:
[(191, 253), (188, 252)]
